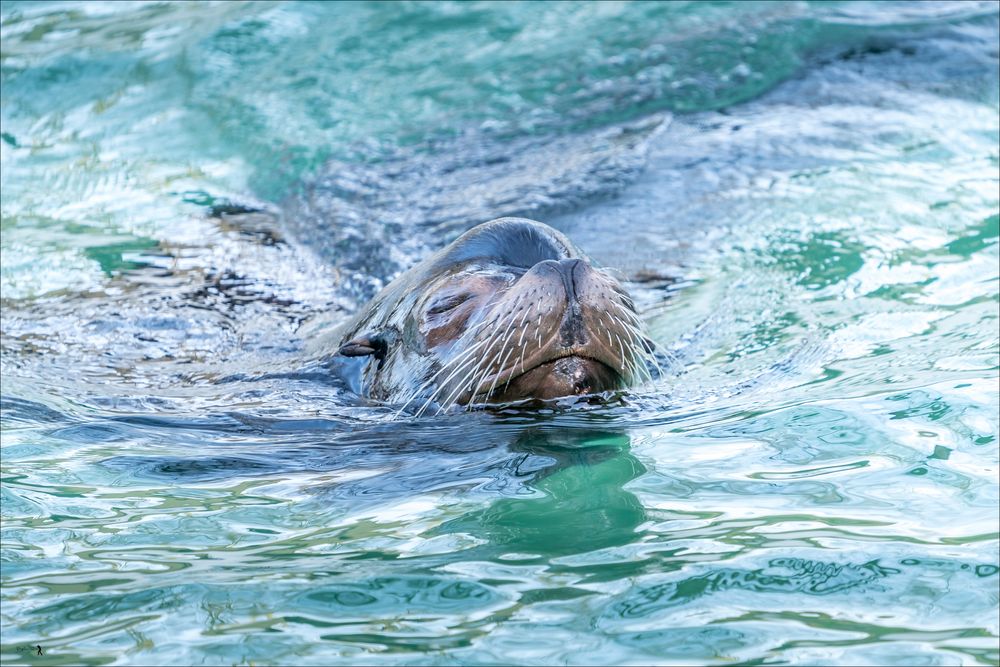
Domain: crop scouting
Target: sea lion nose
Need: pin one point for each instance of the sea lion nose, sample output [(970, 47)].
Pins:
[(569, 270)]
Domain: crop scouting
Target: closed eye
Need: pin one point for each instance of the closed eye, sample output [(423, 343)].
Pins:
[(448, 303)]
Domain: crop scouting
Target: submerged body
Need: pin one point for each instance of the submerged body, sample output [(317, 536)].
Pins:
[(511, 310)]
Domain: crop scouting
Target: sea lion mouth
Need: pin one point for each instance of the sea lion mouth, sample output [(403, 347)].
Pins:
[(566, 374)]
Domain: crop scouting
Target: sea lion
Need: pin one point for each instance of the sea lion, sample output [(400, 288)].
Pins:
[(511, 310)]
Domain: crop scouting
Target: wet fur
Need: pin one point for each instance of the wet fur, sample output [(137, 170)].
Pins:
[(511, 310)]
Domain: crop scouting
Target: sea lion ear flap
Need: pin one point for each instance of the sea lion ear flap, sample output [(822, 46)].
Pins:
[(365, 345)]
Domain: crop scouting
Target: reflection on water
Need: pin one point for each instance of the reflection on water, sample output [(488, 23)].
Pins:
[(802, 197), (576, 504)]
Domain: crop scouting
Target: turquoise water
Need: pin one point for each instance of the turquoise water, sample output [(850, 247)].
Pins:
[(803, 196)]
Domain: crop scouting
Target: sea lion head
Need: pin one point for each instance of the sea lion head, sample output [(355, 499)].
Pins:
[(511, 310)]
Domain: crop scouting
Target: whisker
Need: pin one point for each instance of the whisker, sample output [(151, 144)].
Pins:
[(502, 345), (492, 339), (486, 373), (635, 337), (650, 354), (452, 398), (625, 359), (629, 314), (457, 364), (521, 324), (513, 366), (638, 361), (459, 359), (441, 387), (642, 357), (496, 376), (471, 367)]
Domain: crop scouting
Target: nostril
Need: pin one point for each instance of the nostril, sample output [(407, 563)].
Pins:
[(549, 264), (574, 268), (574, 272), (570, 271), (568, 265)]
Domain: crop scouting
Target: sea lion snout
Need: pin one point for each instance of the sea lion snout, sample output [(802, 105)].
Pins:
[(558, 330), (511, 310), (565, 289), (566, 270)]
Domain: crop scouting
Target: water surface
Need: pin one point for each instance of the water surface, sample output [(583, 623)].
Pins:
[(803, 197)]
